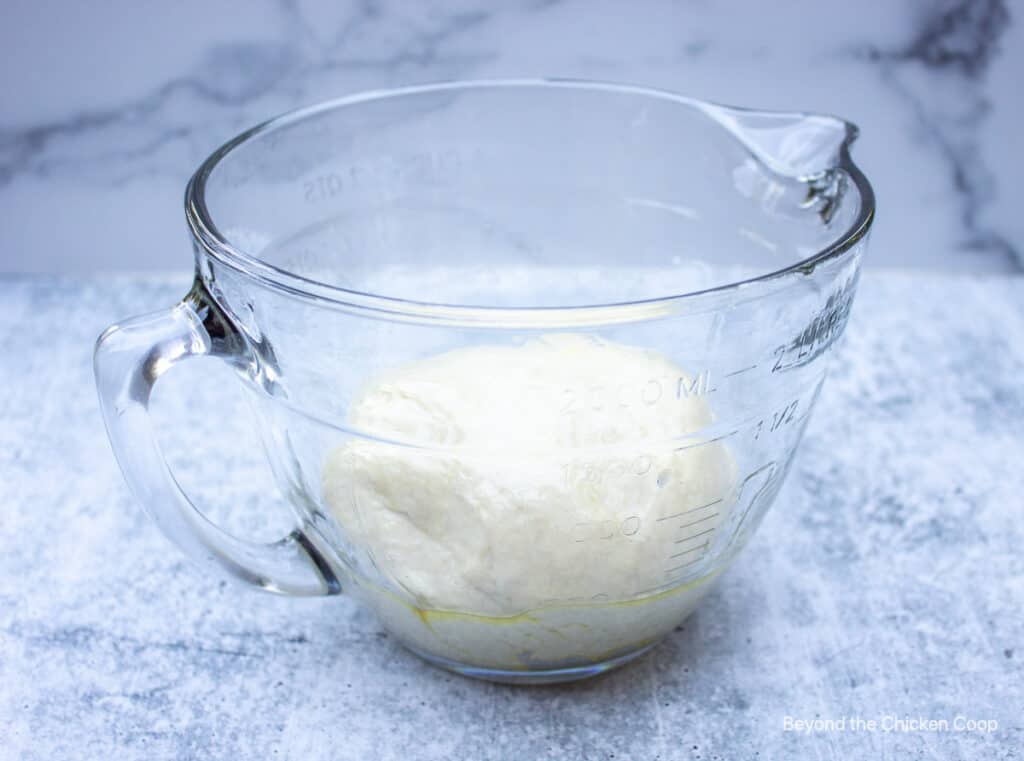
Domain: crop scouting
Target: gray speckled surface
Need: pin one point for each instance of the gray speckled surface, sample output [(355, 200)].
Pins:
[(887, 579)]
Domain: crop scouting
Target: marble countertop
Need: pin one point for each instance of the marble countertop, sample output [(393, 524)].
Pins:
[(107, 108), (887, 580)]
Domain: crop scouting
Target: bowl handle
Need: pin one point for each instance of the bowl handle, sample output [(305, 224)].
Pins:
[(129, 359)]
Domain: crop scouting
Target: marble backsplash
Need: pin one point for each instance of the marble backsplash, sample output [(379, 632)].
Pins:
[(105, 109)]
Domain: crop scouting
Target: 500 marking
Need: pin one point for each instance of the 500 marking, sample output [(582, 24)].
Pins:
[(606, 529)]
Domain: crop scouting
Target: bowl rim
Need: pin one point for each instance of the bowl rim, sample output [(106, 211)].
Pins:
[(207, 234)]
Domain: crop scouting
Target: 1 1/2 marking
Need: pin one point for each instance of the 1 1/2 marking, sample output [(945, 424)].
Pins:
[(778, 419)]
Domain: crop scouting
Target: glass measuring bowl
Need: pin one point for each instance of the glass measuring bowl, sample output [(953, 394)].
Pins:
[(530, 359)]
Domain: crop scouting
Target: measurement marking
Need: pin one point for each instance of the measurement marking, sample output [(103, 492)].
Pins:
[(742, 370), (701, 520), (758, 239), (687, 512), (687, 552), (694, 536), (682, 211), (709, 441), (670, 571)]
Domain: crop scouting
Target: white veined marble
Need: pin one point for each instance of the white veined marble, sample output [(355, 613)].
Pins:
[(105, 109)]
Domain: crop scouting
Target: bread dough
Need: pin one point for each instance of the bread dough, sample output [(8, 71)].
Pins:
[(495, 482)]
